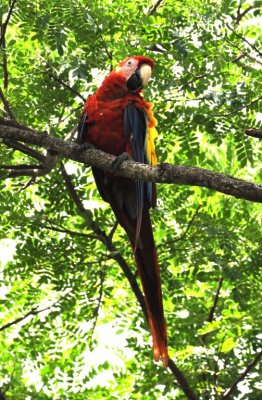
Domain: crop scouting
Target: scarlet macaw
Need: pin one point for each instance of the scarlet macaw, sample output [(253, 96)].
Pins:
[(117, 120)]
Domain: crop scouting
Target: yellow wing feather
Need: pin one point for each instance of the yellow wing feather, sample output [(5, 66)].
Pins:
[(151, 136)]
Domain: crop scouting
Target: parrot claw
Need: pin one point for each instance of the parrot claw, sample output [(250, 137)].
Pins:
[(86, 146), (118, 161)]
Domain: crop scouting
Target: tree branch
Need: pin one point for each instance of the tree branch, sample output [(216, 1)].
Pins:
[(61, 82), (240, 14), (194, 79), (257, 133), (238, 109), (6, 104), (3, 43), (190, 395), (245, 54), (25, 149), (34, 311), (244, 39), (102, 276), (250, 366), (115, 254), (4, 25), (162, 173), (49, 163), (213, 308), (57, 228), (155, 7), (183, 235), (106, 240)]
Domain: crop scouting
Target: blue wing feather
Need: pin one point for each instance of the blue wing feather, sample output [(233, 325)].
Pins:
[(81, 134), (135, 126)]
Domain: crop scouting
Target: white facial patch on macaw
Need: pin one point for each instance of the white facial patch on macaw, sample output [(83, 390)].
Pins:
[(129, 68)]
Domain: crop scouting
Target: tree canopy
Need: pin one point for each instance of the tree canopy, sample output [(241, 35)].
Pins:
[(71, 305)]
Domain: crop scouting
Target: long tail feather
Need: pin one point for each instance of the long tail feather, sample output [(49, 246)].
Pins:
[(117, 192), (147, 262)]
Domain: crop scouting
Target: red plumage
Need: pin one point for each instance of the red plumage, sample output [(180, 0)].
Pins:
[(116, 120)]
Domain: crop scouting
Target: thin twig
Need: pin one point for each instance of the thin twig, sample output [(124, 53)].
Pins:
[(182, 236), (6, 104), (25, 149), (28, 170), (236, 111), (49, 163), (99, 302), (112, 232), (213, 308), (242, 53), (3, 44), (241, 15), (61, 82), (257, 133), (155, 7), (57, 228), (250, 366), (34, 311), (71, 190), (196, 78), (19, 167), (244, 39), (204, 336), (4, 25), (245, 54)]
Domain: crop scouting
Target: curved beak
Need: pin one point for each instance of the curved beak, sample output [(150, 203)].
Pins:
[(145, 72)]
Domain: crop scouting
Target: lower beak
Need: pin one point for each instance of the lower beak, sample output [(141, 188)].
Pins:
[(135, 81)]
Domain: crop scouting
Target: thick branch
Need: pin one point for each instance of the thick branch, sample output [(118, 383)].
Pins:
[(162, 173)]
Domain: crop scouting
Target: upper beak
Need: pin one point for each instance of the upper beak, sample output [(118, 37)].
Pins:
[(145, 73)]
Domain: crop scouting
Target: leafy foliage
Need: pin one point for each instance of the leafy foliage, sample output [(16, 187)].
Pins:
[(91, 340)]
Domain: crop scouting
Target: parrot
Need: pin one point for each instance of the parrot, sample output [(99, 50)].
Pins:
[(116, 119)]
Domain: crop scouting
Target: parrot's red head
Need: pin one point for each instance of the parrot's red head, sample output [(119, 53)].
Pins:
[(136, 70), (130, 76)]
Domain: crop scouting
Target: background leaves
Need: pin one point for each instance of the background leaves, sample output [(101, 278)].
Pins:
[(92, 340)]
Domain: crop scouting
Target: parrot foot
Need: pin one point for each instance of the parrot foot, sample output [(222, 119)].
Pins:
[(118, 161), (86, 146)]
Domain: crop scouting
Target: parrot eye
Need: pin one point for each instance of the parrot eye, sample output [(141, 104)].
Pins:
[(129, 63)]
